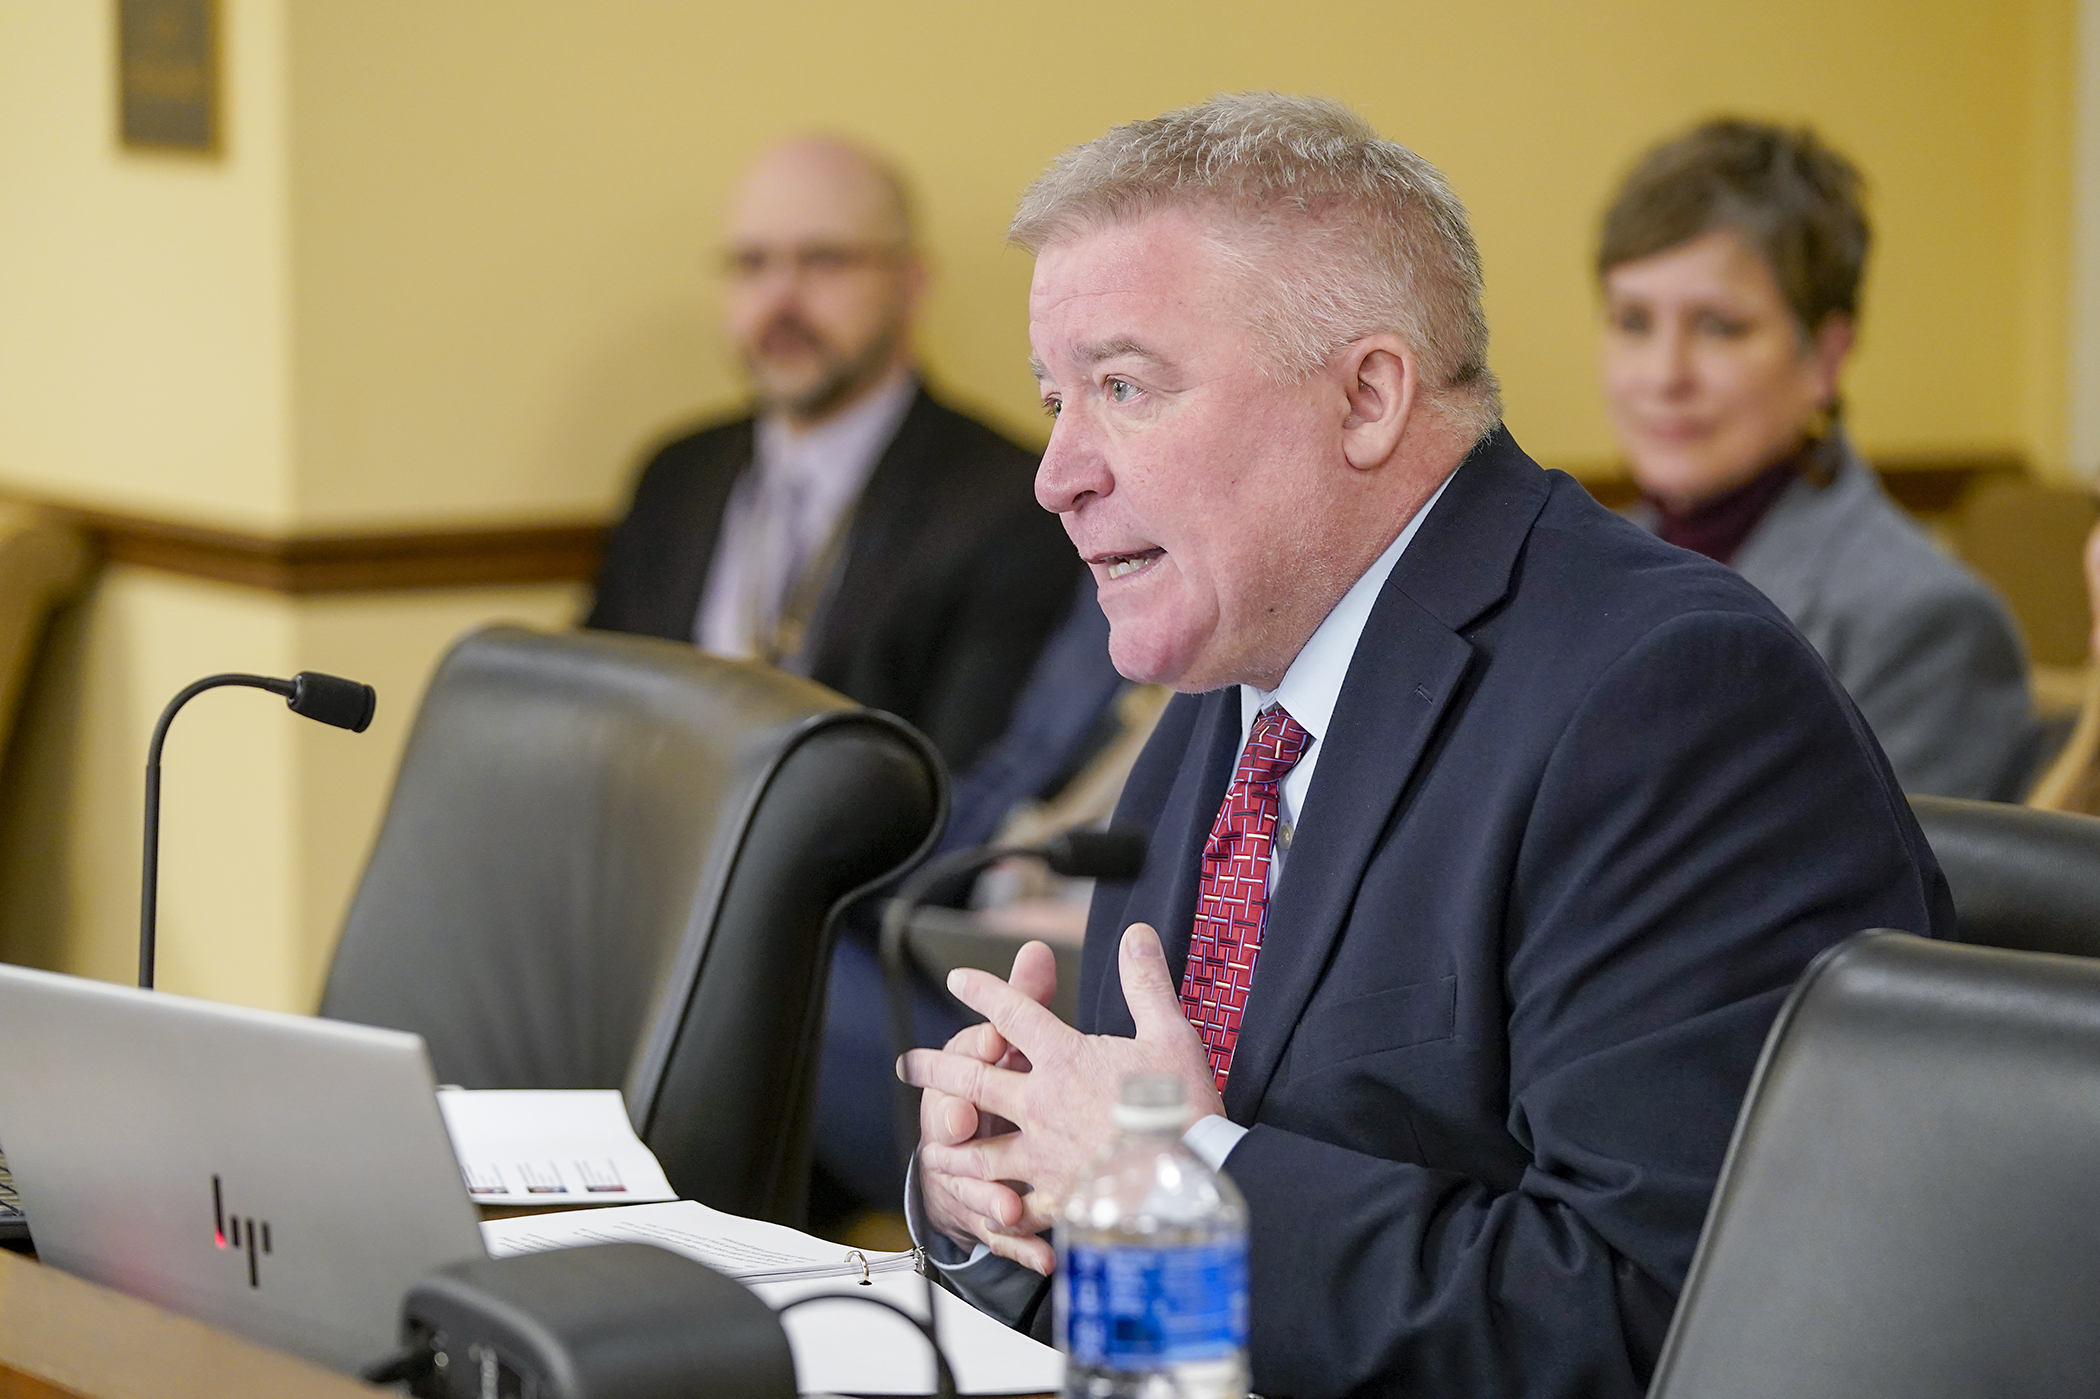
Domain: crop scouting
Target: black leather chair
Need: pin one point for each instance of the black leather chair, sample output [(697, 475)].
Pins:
[(2022, 879), (1910, 1206), (615, 862)]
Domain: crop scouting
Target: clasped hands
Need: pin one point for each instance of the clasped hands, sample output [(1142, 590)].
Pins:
[(1016, 1109)]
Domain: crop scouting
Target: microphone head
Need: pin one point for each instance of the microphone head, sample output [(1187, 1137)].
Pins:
[(1111, 854), (347, 704)]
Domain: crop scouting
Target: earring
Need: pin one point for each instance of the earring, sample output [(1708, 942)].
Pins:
[(1820, 454)]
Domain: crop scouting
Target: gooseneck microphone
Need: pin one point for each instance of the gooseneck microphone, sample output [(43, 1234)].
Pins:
[(330, 699), (1110, 854)]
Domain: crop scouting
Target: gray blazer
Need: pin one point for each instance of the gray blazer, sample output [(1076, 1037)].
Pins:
[(1925, 648)]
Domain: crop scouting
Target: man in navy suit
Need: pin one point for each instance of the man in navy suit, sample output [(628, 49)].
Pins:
[(1487, 834)]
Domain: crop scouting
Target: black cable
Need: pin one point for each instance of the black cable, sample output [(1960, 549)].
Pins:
[(1111, 854), (410, 1365), (896, 969), (943, 1377), (896, 981)]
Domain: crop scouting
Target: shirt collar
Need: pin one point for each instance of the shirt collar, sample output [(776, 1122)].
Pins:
[(1313, 684), (843, 450)]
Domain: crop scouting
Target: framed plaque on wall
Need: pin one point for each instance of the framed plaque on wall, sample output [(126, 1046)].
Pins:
[(168, 75)]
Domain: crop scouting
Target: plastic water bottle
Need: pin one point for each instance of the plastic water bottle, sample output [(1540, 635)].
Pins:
[(1152, 1263)]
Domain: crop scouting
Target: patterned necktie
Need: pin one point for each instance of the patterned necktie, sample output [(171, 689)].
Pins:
[(1235, 895)]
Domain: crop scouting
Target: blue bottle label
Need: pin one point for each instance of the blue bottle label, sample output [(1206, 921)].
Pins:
[(1146, 1308)]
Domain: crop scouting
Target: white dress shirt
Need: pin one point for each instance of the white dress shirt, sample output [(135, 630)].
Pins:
[(1308, 692), (782, 513), (1313, 684)]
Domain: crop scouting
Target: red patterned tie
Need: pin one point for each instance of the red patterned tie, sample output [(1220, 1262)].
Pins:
[(1235, 896)]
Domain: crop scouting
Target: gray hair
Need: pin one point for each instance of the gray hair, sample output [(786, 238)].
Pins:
[(1346, 234)]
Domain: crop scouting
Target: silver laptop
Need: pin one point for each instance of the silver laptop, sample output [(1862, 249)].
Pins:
[(282, 1177)]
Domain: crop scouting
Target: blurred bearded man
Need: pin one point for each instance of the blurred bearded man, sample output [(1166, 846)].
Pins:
[(854, 529), (1487, 832)]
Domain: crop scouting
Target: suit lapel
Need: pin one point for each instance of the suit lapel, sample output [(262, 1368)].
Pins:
[(862, 589), (1398, 688), (1402, 681), (701, 505)]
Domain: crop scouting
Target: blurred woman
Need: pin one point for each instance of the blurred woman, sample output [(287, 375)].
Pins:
[(1730, 264)]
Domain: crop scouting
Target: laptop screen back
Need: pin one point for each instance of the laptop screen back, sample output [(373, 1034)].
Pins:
[(283, 1177)]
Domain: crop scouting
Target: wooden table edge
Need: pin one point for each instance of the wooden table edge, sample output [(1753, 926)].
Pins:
[(62, 1337)]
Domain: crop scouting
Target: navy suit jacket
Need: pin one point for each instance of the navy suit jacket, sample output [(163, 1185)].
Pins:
[(1588, 806)]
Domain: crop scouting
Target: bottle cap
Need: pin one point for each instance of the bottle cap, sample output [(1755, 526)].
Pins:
[(1152, 1103)]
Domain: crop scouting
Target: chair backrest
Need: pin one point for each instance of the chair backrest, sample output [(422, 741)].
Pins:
[(44, 559), (2022, 879), (616, 862), (1910, 1206), (2027, 538)]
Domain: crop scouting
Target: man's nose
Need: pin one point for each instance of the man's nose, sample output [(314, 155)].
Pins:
[(761, 302), (779, 285), (1073, 467)]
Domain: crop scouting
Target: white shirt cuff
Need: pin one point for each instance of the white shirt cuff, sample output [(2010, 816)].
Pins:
[(999, 1287), (1212, 1139)]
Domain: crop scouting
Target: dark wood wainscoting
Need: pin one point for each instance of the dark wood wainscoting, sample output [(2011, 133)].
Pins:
[(567, 551), (380, 561)]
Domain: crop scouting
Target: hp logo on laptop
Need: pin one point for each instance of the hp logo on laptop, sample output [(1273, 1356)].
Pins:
[(238, 1233)]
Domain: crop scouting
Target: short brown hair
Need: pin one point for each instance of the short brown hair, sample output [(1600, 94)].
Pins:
[(1784, 192)]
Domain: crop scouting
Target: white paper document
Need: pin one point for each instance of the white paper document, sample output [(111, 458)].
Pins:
[(567, 1146), (839, 1347)]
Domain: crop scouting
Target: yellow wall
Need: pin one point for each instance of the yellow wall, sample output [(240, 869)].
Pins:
[(266, 817), (456, 266), (144, 327), (504, 213), (457, 261), (149, 327), (2082, 286)]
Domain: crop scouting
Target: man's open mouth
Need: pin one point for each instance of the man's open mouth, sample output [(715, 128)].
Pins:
[(1123, 565)]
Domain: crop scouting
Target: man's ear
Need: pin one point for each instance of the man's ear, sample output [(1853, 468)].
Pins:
[(1378, 380)]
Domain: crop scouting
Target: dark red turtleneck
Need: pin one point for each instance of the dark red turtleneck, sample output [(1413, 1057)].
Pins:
[(1718, 527)]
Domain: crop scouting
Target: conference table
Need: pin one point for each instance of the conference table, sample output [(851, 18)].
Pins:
[(62, 1337)]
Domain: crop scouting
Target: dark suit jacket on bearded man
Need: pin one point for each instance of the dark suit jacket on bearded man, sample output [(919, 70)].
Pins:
[(1589, 806), (950, 579)]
